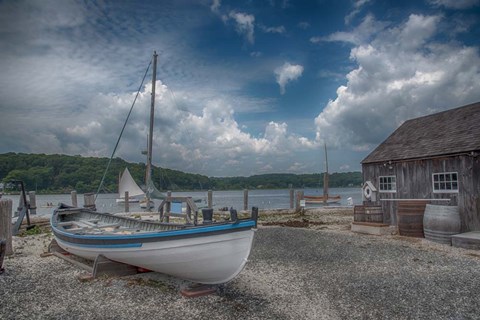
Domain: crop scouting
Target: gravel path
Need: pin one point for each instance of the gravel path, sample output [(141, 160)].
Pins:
[(293, 273)]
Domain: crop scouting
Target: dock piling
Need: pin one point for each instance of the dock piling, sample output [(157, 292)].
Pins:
[(6, 206), (33, 202), (74, 198)]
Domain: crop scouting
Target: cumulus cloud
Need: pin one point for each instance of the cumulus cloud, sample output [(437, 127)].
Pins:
[(209, 142), (401, 74), (245, 25), (287, 73)]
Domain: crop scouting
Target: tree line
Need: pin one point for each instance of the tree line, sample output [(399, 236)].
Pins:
[(62, 173)]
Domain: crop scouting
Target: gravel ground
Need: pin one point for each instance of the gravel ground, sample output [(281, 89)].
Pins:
[(324, 272)]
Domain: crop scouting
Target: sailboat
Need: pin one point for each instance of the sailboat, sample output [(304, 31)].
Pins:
[(326, 198), (204, 251), (126, 183)]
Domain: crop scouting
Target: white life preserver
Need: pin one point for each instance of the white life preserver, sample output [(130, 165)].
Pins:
[(367, 192)]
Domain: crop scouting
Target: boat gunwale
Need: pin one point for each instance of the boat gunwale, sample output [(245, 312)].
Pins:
[(184, 231)]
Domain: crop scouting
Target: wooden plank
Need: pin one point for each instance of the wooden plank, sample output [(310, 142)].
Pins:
[(198, 291), (106, 267), (73, 261)]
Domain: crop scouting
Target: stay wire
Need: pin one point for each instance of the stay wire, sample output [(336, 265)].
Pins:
[(121, 132)]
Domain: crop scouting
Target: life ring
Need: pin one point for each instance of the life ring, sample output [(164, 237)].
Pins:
[(367, 192)]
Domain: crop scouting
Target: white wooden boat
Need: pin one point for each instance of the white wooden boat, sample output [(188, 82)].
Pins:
[(209, 252)]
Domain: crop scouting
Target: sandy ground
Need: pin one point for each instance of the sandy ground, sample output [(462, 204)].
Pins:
[(306, 266)]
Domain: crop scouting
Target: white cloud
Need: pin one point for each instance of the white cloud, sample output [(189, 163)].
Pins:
[(361, 34), (356, 10), (456, 4), (215, 5), (401, 74), (279, 29), (245, 25), (287, 73)]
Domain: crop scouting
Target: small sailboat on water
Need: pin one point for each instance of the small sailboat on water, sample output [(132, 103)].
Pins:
[(126, 183), (209, 251), (326, 198)]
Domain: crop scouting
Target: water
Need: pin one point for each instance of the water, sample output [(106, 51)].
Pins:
[(263, 199)]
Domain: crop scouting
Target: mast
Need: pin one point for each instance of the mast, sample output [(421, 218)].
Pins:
[(148, 175), (325, 177)]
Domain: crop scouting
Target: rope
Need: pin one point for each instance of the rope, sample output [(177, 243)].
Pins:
[(121, 132)]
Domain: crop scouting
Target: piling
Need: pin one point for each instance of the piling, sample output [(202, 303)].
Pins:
[(6, 206), (210, 199), (74, 198), (33, 202), (298, 206), (89, 201), (292, 196), (245, 199), (127, 202), (168, 205), (21, 202)]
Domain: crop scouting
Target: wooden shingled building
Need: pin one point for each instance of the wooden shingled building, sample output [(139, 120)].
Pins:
[(431, 157)]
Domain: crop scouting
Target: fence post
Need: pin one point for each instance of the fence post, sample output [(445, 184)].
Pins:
[(6, 206), (74, 198)]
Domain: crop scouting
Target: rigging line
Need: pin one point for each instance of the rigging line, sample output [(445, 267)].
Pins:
[(121, 132)]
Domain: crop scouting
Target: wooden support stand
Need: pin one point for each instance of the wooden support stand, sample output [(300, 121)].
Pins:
[(102, 266), (198, 291)]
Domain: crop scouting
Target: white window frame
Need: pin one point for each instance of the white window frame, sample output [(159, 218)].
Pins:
[(448, 181), (392, 183)]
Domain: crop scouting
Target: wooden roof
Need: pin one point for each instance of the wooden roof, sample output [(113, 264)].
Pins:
[(449, 132)]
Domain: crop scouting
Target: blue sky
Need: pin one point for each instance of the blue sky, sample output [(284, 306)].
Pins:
[(244, 87)]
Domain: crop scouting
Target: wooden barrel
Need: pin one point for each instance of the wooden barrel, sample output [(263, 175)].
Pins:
[(441, 222), (374, 214), (359, 213), (410, 218)]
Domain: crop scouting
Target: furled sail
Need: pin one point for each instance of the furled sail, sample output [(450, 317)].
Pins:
[(153, 192), (128, 184)]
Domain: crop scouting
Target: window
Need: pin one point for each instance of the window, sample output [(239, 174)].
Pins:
[(388, 184), (445, 182)]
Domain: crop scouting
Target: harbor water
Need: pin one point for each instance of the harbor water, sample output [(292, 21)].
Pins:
[(263, 199)]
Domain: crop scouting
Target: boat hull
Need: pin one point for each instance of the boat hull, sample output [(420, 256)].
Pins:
[(210, 253), (321, 199), (210, 259)]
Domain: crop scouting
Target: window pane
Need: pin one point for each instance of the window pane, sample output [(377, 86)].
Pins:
[(435, 177), (442, 177), (454, 186), (454, 177), (436, 186)]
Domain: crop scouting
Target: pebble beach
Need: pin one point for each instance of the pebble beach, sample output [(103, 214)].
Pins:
[(308, 266)]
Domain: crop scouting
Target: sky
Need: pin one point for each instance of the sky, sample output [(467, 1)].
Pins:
[(243, 87)]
